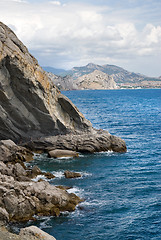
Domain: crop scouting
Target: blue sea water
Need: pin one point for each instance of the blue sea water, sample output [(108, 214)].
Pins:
[(122, 192)]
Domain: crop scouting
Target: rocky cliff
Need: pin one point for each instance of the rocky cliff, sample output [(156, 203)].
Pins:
[(32, 108), (30, 105)]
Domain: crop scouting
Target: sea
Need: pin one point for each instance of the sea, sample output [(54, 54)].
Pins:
[(121, 192)]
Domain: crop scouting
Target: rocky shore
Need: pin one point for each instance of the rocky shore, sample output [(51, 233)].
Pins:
[(21, 199), (35, 116)]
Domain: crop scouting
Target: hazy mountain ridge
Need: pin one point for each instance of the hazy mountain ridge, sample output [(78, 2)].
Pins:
[(122, 77)]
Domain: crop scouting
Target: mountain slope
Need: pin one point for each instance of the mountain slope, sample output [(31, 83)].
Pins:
[(96, 80), (119, 74)]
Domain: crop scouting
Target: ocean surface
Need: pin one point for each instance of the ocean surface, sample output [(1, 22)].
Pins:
[(122, 192)]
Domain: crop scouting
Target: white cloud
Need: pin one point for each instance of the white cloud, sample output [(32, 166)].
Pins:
[(75, 33), (57, 3)]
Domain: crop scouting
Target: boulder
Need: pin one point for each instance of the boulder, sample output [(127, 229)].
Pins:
[(58, 153), (34, 233), (69, 174)]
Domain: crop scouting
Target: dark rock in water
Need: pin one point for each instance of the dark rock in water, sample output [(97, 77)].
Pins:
[(69, 174), (58, 153), (31, 107), (49, 175)]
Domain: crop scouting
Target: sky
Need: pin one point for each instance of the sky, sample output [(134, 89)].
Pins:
[(68, 33)]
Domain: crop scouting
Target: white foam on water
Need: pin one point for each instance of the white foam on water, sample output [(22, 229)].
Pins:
[(58, 174), (38, 177), (107, 153), (46, 222), (76, 190), (92, 203), (85, 174)]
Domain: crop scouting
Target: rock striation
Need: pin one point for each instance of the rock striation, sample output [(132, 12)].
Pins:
[(30, 105), (32, 108), (98, 141)]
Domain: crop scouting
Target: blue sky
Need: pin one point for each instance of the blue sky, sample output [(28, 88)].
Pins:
[(64, 34)]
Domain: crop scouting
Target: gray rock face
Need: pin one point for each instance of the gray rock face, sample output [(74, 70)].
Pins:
[(96, 80), (30, 105), (63, 83)]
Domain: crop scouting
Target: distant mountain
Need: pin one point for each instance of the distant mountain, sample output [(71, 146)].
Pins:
[(119, 74), (122, 77), (96, 80), (56, 71)]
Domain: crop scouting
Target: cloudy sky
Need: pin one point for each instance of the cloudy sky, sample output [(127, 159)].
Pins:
[(68, 33)]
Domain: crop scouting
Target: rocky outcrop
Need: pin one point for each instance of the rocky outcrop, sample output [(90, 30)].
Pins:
[(21, 198), (30, 105), (99, 141), (96, 80)]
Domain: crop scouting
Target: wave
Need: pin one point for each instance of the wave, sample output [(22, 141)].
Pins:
[(58, 174), (38, 177), (76, 190)]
